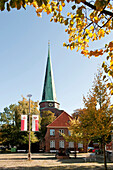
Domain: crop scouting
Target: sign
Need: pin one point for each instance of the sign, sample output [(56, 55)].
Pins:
[(23, 122), (35, 122)]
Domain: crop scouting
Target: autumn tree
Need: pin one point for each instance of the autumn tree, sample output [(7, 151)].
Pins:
[(85, 21), (94, 121), (11, 122), (102, 112)]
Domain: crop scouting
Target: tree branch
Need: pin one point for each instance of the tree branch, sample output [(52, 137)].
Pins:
[(94, 7)]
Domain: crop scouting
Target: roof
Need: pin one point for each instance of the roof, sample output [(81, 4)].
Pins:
[(61, 121), (49, 93)]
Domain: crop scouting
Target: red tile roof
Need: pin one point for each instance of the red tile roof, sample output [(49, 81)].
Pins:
[(61, 121)]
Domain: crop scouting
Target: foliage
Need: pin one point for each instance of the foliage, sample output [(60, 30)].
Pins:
[(47, 118), (11, 123), (85, 22), (95, 120), (97, 114)]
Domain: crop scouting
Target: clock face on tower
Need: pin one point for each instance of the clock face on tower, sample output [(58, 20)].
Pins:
[(50, 104)]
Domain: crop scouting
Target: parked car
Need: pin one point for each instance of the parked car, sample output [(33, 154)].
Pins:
[(90, 149), (96, 150)]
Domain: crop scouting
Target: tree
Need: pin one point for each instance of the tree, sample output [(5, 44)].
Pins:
[(85, 22), (47, 118), (94, 121), (11, 123), (102, 119)]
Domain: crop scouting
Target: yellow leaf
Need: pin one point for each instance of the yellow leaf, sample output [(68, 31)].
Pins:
[(91, 28), (63, 4), (90, 34), (35, 4), (71, 22), (60, 8), (68, 13), (64, 44), (72, 15), (96, 19), (39, 10)]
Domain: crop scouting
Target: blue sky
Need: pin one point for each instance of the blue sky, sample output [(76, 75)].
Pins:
[(23, 54)]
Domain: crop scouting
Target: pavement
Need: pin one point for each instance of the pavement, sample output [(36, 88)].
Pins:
[(47, 161)]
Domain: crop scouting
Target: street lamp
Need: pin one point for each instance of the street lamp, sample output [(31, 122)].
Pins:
[(29, 153)]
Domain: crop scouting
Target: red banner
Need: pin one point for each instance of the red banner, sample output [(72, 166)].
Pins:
[(23, 122), (35, 122)]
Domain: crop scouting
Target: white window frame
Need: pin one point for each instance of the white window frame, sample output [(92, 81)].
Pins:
[(52, 132), (61, 144), (52, 143), (61, 131), (71, 144), (80, 145)]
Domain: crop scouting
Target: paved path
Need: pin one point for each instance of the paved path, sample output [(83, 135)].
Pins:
[(48, 161)]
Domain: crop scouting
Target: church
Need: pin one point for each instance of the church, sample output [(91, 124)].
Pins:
[(53, 138)]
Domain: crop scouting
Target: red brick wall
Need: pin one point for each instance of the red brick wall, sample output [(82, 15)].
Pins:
[(57, 138)]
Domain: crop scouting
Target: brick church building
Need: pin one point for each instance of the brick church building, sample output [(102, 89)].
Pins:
[(53, 138)]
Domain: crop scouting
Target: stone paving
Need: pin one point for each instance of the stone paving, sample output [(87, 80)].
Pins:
[(48, 161)]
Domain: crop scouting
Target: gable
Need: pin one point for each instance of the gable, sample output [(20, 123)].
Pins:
[(61, 121)]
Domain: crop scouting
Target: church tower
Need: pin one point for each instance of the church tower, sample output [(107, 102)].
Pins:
[(49, 101)]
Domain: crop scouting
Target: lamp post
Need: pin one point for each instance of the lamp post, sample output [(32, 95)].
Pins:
[(29, 153)]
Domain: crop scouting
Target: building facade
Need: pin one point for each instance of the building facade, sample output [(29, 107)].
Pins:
[(54, 139)]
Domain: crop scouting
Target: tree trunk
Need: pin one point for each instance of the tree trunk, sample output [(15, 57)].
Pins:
[(105, 163), (75, 152), (101, 146)]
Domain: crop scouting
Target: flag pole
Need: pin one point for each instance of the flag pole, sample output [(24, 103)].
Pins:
[(29, 153)]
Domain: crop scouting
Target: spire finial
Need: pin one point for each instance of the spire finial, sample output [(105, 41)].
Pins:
[(48, 48), (48, 43)]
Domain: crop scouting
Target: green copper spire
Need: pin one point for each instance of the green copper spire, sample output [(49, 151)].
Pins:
[(49, 93)]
